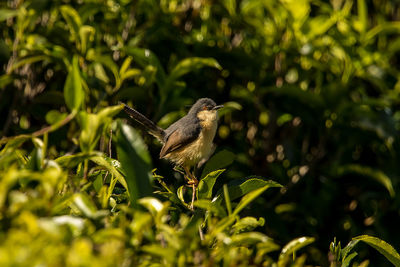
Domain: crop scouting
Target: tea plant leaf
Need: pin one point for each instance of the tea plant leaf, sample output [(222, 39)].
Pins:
[(54, 116), (73, 92), (135, 160), (220, 160), (377, 175), (97, 157), (73, 20), (191, 64), (86, 34), (247, 224), (70, 161), (384, 248), (92, 126), (346, 261), (240, 187), (346, 250), (250, 238), (145, 57), (207, 183), (165, 253), (249, 197), (7, 13), (290, 248)]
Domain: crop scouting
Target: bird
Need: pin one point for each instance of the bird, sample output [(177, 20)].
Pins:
[(189, 140)]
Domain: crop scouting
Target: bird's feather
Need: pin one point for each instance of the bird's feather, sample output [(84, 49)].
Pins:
[(179, 138)]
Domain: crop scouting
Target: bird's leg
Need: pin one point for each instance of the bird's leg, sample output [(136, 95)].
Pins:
[(192, 181)]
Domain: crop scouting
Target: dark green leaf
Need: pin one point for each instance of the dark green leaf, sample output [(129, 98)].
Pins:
[(135, 160), (220, 160)]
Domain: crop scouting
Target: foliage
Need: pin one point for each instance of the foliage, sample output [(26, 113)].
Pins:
[(311, 95)]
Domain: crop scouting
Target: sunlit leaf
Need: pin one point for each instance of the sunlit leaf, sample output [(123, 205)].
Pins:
[(86, 34), (247, 224), (293, 246), (54, 116), (240, 187), (7, 13), (207, 183), (72, 18), (384, 248), (249, 238), (346, 261), (73, 92)]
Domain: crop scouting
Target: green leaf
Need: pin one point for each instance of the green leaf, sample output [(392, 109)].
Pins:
[(70, 161), (240, 187), (230, 5), (247, 224), (191, 64), (168, 253), (92, 126), (73, 92), (73, 20), (91, 130), (107, 62), (246, 239), (218, 161), (375, 174), (207, 183), (112, 165), (384, 248), (208, 205), (86, 34), (7, 13), (5, 80), (249, 197), (346, 250), (294, 245), (152, 204), (346, 261), (54, 116), (13, 143), (135, 160), (86, 206), (145, 57)]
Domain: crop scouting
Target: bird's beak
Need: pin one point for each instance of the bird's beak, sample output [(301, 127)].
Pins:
[(218, 107)]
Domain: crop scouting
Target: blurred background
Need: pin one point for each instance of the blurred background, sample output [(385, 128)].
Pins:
[(311, 92)]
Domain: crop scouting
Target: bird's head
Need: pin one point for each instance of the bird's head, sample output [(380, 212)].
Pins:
[(205, 109)]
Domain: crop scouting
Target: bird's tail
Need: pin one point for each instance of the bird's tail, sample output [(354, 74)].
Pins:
[(149, 126)]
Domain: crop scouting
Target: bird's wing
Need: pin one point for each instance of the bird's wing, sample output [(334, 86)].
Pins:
[(180, 138)]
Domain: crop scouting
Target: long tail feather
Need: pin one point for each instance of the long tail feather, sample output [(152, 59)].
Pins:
[(149, 126)]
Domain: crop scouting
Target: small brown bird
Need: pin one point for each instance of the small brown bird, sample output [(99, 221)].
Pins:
[(187, 141)]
